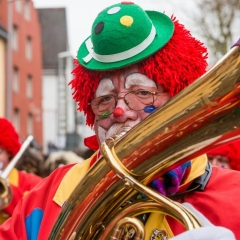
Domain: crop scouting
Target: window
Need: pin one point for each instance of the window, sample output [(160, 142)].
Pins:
[(18, 5), (30, 124), (15, 38), (16, 119), (15, 83), (27, 10), (29, 89), (29, 48)]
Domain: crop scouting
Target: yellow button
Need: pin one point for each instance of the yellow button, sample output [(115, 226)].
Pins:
[(126, 21)]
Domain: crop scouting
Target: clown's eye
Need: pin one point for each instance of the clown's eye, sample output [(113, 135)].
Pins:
[(106, 99), (113, 10)]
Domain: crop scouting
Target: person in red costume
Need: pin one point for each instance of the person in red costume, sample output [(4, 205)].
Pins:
[(133, 63), (226, 156), (20, 182)]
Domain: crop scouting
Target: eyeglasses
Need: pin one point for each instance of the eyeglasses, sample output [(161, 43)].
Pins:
[(135, 100)]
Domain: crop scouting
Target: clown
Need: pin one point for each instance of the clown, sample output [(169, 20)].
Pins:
[(21, 183), (134, 62), (226, 156)]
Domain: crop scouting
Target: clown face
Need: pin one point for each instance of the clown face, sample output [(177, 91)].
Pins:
[(219, 161), (4, 158), (126, 111)]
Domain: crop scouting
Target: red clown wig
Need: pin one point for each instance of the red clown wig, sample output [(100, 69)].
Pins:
[(179, 63), (9, 139), (231, 151)]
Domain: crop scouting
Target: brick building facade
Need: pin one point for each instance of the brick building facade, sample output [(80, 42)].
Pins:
[(25, 110)]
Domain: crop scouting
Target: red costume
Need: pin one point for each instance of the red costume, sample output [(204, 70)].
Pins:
[(37, 212), (21, 183), (171, 57)]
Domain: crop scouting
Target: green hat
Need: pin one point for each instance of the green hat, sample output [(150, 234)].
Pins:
[(122, 35)]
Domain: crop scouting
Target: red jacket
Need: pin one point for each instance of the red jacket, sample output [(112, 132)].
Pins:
[(36, 213), (21, 183)]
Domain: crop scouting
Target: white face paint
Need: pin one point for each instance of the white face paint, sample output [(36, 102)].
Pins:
[(105, 87), (132, 80), (119, 85), (138, 79)]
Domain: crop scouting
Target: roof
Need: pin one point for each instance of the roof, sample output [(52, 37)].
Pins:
[(53, 23)]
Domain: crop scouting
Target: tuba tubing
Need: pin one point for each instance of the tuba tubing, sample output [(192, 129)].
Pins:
[(203, 116), (5, 189)]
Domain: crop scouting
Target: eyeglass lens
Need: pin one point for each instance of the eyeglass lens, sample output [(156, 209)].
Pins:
[(135, 100)]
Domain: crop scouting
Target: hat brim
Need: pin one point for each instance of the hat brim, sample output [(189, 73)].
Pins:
[(164, 31)]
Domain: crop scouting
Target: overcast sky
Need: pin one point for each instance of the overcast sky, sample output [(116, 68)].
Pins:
[(81, 14)]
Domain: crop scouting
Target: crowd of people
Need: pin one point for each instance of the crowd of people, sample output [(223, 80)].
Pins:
[(30, 168), (226, 156), (20, 182), (134, 62)]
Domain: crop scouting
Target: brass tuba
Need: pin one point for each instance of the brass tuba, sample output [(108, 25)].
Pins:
[(201, 117), (5, 189)]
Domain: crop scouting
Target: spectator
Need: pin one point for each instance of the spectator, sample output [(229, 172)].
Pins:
[(226, 156), (20, 182)]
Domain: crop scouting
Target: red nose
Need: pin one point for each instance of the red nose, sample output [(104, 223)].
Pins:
[(118, 112)]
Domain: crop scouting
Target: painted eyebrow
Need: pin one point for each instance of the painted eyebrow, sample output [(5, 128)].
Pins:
[(126, 76), (105, 87), (144, 81)]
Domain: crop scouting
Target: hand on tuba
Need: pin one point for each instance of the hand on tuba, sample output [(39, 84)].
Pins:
[(207, 232), (201, 117)]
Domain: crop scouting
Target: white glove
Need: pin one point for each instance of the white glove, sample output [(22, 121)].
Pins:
[(208, 232)]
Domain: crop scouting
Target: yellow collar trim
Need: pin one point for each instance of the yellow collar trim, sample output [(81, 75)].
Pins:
[(70, 181), (197, 169), (14, 177), (78, 171)]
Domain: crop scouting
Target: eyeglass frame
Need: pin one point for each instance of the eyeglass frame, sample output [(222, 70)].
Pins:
[(118, 98)]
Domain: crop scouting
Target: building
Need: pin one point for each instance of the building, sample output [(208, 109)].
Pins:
[(59, 123), (3, 47), (64, 127), (3, 52), (22, 101)]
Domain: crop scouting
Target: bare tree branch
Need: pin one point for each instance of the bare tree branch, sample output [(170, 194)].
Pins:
[(219, 24)]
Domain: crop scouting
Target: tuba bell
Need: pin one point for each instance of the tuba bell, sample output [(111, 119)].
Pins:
[(202, 117)]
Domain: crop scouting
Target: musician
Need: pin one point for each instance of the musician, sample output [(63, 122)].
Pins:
[(133, 63), (226, 156), (20, 182)]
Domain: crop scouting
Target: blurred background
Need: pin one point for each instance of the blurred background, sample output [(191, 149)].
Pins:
[(39, 40)]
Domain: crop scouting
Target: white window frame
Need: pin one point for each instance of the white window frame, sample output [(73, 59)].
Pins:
[(29, 90), (16, 119), (30, 124), (27, 10), (18, 6), (29, 48), (15, 38), (15, 84)]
